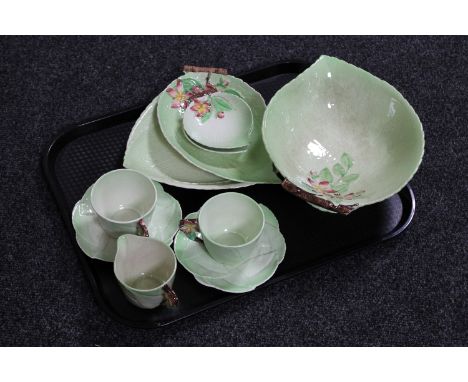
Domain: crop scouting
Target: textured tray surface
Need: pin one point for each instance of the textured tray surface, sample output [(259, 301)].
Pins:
[(80, 156)]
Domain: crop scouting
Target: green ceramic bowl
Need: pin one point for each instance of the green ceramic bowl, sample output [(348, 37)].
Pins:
[(341, 137)]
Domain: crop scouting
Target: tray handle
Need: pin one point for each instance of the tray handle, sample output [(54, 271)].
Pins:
[(316, 200)]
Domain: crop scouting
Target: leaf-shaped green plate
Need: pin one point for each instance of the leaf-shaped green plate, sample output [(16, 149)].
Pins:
[(148, 152), (343, 134), (252, 165)]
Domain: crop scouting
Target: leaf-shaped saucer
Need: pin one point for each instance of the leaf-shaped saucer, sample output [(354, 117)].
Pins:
[(252, 165), (342, 137), (149, 152), (97, 244), (243, 277)]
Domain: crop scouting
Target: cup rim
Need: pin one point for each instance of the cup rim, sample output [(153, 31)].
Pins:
[(141, 216), (121, 237), (232, 246)]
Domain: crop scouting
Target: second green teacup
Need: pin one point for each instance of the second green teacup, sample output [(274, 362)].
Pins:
[(230, 225)]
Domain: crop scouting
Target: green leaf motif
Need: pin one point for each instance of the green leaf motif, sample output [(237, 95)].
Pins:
[(206, 117), (346, 161), (220, 104), (220, 83), (233, 92), (189, 83), (343, 187), (350, 178), (339, 170), (314, 175), (326, 175)]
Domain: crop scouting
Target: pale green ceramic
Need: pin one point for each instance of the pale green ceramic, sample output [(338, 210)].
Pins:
[(230, 225), (264, 261), (97, 244), (121, 199), (145, 269), (149, 152), (340, 133), (231, 130), (252, 165)]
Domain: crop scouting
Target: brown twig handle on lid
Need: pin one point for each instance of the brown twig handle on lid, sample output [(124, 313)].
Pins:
[(314, 199), (191, 68)]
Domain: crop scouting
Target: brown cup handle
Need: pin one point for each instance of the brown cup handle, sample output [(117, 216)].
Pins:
[(191, 229), (170, 295), (314, 199), (142, 229)]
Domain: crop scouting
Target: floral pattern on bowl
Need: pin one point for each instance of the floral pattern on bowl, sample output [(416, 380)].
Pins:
[(335, 189)]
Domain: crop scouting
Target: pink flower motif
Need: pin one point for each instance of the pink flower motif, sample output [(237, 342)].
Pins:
[(220, 114), (353, 195), (324, 184), (210, 88), (349, 196), (179, 98), (197, 90), (322, 187), (201, 108)]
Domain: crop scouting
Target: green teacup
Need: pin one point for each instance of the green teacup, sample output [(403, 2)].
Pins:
[(229, 226), (124, 201)]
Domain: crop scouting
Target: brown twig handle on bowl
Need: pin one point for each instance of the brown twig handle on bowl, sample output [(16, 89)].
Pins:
[(316, 200), (195, 69)]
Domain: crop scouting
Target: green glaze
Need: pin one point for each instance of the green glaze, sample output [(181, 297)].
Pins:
[(219, 121), (144, 268), (148, 152), (244, 277), (97, 244), (333, 184), (231, 224), (252, 165), (343, 134)]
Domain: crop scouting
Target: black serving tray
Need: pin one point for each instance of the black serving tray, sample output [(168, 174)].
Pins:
[(84, 152)]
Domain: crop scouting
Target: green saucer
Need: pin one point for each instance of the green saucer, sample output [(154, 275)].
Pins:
[(243, 277), (252, 165), (97, 244), (149, 152)]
